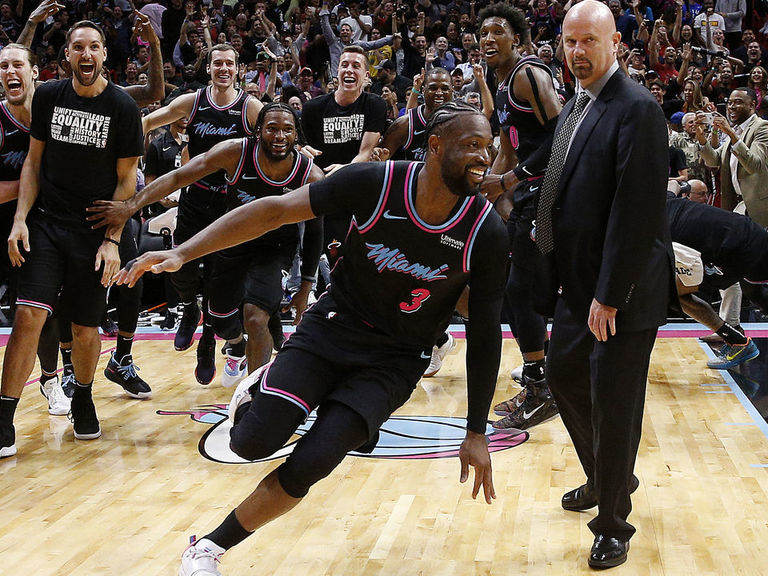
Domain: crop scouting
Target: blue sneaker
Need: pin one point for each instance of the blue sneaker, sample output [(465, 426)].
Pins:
[(731, 355)]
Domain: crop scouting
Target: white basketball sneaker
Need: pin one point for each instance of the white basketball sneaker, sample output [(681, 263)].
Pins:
[(438, 355), (58, 402), (243, 393), (235, 369), (201, 558)]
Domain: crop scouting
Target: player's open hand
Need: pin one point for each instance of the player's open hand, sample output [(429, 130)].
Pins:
[(379, 154), (155, 262), (474, 452), (107, 258), (19, 234)]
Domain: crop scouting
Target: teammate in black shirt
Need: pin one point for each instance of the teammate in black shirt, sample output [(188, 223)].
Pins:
[(214, 114), (85, 144), (250, 273), (527, 106), (419, 234), (345, 125)]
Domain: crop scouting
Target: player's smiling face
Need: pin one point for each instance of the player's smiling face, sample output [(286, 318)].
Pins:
[(466, 155), (278, 134), (353, 70), (223, 68), (86, 54), (437, 90), (496, 40), (16, 74)]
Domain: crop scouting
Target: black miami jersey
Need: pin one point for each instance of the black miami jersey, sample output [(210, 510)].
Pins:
[(517, 118), (415, 147), (250, 183), (14, 143), (398, 273), (210, 124)]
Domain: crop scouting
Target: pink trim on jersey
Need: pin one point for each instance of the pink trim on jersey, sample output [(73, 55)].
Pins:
[(33, 304), (226, 106), (244, 117), (294, 169), (415, 217), (222, 314), (307, 171), (13, 119), (419, 110), (473, 234), (195, 104), (388, 172), (410, 129), (240, 163), (292, 398)]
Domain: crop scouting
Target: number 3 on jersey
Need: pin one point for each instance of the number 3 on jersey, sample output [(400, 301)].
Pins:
[(418, 297)]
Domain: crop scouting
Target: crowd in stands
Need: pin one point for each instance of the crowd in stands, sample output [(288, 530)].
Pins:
[(690, 55)]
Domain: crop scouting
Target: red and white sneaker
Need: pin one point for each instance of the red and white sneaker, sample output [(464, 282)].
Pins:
[(201, 558)]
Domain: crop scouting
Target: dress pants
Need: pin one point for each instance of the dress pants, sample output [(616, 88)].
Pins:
[(599, 388)]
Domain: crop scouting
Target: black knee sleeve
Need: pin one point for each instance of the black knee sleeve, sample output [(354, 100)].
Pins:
[(337, 430), (227, 328), (530, 328)]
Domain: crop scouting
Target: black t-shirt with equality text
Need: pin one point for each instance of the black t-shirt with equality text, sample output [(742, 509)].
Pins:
[(84, 138), (338, 130)]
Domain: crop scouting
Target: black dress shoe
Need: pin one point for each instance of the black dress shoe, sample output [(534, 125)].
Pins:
[(584, 497), (608, 552)]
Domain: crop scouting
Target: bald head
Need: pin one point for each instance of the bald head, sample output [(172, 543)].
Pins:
[(699, 191), (590, 40)]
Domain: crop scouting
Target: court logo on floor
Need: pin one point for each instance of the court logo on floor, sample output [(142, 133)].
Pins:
[(401, 437)]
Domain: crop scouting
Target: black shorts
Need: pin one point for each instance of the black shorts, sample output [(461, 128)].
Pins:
[(197, 209), (519, 226), (335, 356), (250, 275), (61, 260)]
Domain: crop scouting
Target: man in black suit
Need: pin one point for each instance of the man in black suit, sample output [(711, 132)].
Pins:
[(600, 223)]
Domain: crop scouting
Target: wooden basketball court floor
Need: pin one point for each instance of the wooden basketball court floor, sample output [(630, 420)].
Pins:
[(126, 504)]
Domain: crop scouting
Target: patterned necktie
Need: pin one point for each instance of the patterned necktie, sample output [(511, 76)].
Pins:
[(544, 237)]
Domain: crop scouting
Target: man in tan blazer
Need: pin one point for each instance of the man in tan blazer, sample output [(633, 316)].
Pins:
[(743, 160)]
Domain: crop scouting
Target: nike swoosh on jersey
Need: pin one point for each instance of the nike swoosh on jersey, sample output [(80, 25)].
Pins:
[(389, 216), (166, 149), (417, 132), (527, 415), (11, 133), (204, 108)]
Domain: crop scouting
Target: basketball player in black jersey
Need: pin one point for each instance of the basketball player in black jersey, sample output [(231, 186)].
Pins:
[(527, 106), (255, 167), (419, 233), (216, 113), (405, 139), (17, 75)]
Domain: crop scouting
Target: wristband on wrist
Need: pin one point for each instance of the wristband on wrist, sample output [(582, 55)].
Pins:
[(504, 189), (111, 240), (415, 91)]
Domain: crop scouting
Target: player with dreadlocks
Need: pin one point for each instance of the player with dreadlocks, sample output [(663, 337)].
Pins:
[(419, 233), (266, 164)]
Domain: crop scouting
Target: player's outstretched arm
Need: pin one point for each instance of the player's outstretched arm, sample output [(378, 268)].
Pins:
[(240, 225)]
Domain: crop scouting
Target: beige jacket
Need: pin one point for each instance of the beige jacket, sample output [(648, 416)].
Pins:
[(752, 152)]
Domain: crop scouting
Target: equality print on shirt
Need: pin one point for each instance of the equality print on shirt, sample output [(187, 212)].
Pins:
[(342, 129), (78, 127)]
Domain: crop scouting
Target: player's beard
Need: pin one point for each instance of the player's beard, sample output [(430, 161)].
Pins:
[(276, 156), (457, 181), (97, 68)]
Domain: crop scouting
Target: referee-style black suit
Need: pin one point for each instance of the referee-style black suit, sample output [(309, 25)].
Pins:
[(611, 244)]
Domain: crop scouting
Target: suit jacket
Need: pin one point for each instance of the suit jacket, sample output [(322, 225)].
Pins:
[(609, 220), (752, 153)]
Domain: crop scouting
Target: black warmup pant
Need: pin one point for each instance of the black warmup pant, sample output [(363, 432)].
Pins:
[(599, 388)]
